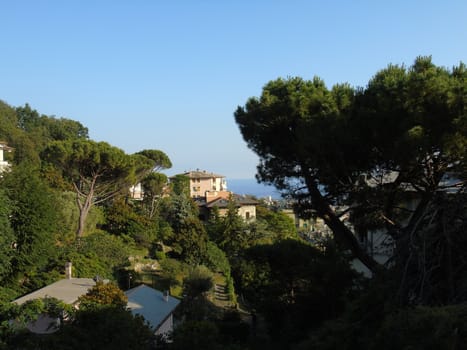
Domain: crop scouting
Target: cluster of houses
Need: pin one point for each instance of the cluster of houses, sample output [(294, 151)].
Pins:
[(209, 190), (155, 306)]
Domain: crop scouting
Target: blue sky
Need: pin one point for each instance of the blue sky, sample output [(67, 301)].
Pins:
[(168, 75)]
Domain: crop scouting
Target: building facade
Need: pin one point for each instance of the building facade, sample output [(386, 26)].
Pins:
[(203, 182), (4, 165)]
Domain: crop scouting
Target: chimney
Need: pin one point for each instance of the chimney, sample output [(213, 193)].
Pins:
[(166, 296), (68, 270)]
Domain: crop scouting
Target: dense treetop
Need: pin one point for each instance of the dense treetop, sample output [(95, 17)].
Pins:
[(358, 147)]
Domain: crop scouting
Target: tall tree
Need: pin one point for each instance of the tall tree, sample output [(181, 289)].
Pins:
[(180, 184), (7, 237), (359, 147), (233, 236), (33, 218), (160, 159), (96, 170), (153, 187)]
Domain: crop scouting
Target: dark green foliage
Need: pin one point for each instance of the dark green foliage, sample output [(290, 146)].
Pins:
[(196, 335), (196, 289), (232, 329), (231, 234), (160, 159), (216, 259), (103, 294), (189, 237), (23, 144), (49, 128), (310, 141), (180, 184), (198, 282), (122, 219), (177, 209), (108, 328), (8, 121), (424, 328), (97, 329), (294, 286), (97, 254), (277, 225), (228, 332), (191, 242), (173, 273), (7, 294), (7, 238), (214, 225), (33, 219)]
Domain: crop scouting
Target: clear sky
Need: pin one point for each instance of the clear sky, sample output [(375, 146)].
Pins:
[(168, 75)]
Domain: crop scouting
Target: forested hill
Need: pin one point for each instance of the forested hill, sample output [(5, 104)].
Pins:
[(29, 132)]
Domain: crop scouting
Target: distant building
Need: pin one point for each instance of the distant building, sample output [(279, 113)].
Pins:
[(246, 207), (4, 165), (136, 191), (300, 223), (203, 182), (209, 190)]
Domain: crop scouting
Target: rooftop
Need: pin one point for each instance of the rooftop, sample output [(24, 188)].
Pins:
[(150, 303), (223, 203), (202, 174), (66, 290)]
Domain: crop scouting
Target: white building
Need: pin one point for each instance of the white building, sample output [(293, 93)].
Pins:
[(4, 165), (156, 307)]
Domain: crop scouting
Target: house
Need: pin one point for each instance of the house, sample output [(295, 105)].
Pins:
[(203, 182), (136, 191), (302, 225), (155, 306), (67, 290), (4, 165), (246, 206), (209, 190)]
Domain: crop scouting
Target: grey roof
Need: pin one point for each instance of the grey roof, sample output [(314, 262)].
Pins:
[(66, 290), (151, 304), (223, 203), (202, 174)]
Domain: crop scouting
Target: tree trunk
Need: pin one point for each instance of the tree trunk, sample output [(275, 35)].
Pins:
[(342, 234), (83, 213)]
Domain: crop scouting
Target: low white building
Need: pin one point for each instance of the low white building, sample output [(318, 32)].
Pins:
[(4, 165), (67, 290), (155, 306)]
